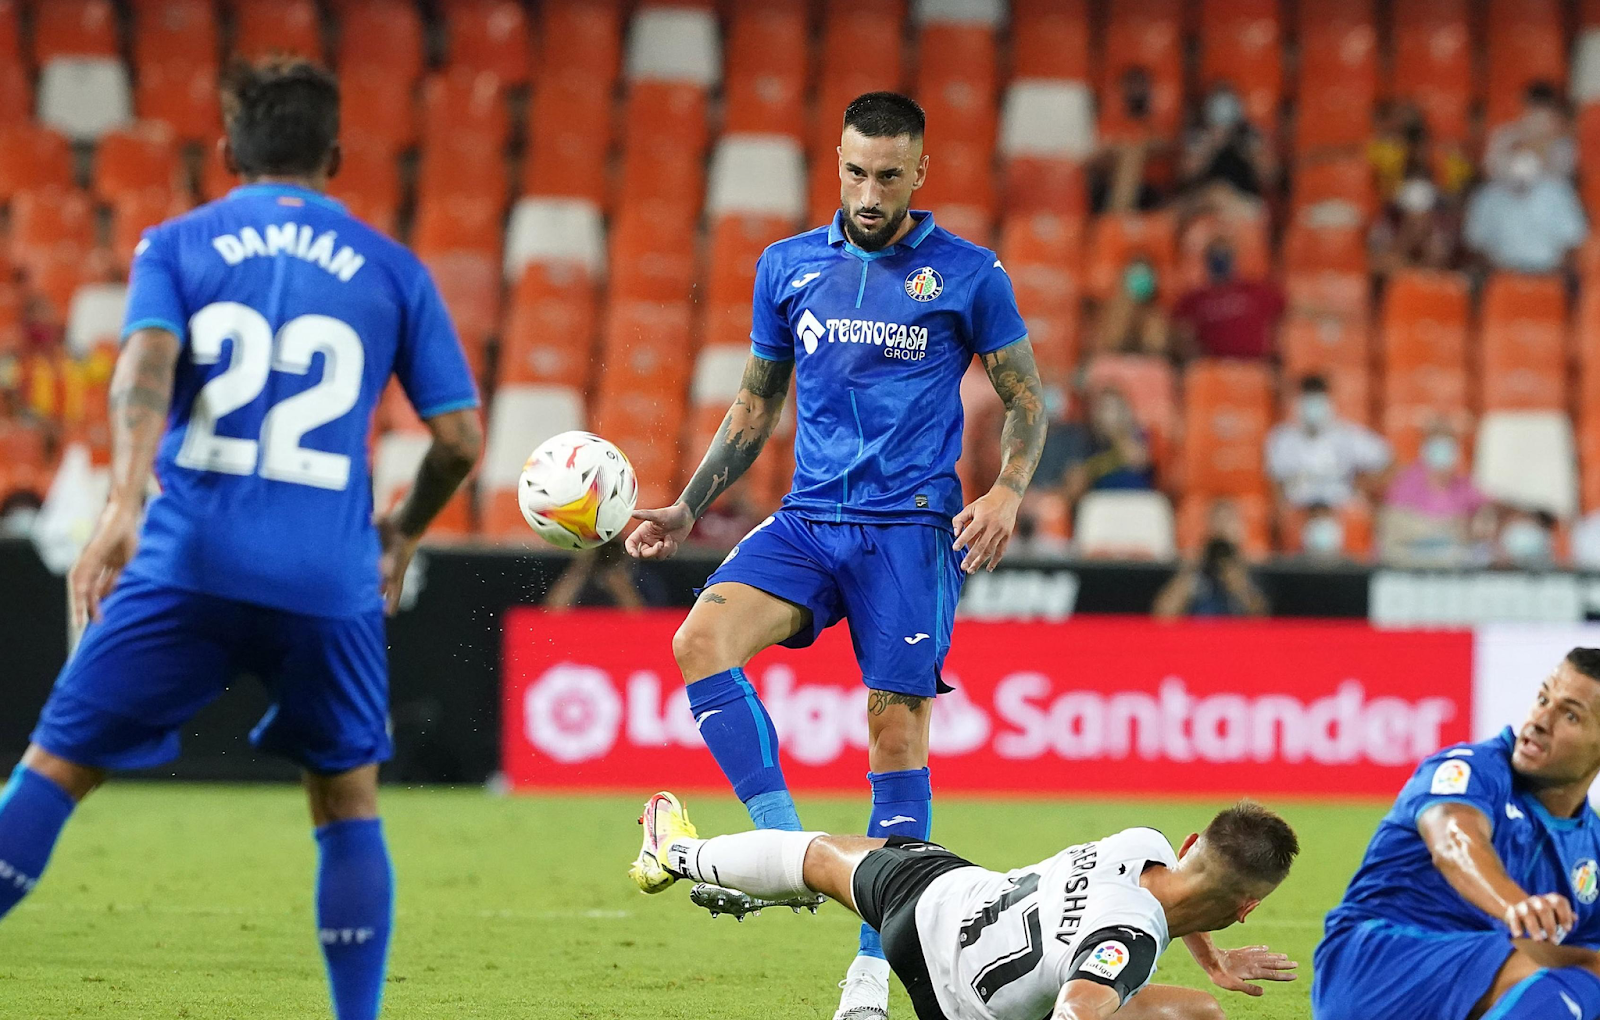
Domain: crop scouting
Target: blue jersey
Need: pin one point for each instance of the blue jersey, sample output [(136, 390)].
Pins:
[(1398, 883), (880, 341), (293, 315)]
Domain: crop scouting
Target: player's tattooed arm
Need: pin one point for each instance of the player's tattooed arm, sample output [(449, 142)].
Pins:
[(457, 442), (1016, 379), (139, 398), (744, 432)]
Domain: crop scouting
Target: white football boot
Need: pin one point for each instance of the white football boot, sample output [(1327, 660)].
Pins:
[(866, 991)]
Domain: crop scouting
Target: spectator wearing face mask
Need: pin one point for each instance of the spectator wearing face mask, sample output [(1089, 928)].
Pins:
[(1319, 458), (1227, 165), (1416, 230), (1228, 317), (1527, 540), (1527, 221), (1218, 583), (1120, 178), (1112, 452), (1131, 320), (1402, 149), (1433, 514), (1542, 128), (1321, 537)]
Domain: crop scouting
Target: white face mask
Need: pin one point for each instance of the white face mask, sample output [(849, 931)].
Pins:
[(1316, 410), (1525, 542), (1322, 536), (1223, 110), (1440, 453), (1415, 196), (1524, 168)]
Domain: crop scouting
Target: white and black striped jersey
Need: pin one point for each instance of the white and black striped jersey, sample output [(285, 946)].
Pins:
[(1001, 946)]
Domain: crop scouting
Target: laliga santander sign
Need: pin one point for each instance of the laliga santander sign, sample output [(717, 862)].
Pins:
[(593, 700)]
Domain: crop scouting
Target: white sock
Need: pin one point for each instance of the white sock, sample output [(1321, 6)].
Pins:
[(767, 863), (871, 966)]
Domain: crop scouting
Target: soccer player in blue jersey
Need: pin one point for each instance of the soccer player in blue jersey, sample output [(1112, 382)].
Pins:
[(261, 330), (1477, 896), (876, 316)]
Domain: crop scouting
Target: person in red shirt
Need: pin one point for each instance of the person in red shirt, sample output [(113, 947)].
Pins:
[(1228, 317)]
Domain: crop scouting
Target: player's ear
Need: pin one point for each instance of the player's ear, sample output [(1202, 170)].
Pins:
[(335, 160), (1194, 837), (1247, 908), (922, 173), (225, 149)]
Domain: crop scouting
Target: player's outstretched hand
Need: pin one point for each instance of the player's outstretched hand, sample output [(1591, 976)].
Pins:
[(393, 561), (1543, 918), (115, 538), (1252, 963), (984, 528), (661, 533)]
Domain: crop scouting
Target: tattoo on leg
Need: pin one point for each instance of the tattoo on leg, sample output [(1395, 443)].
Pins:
[(878, 702), (711, 596)]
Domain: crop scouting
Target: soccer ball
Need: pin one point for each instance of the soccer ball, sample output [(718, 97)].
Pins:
[(577, 490)]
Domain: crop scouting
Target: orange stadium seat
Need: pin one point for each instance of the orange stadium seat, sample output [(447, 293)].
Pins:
[(181, 93), (653, 252), (136, 159), (1345, 177), (570, 137), (50, 221), (1227, 412), (662, 172), (1043, 255), (1050, 39), (1588, 13), (135, 212), (1034, 184), (215, 180), (964, 176), (469, 282), (383, 35), (368, 181), (1255, 514), (33, 157), (1586, 344), (1424, 354), (489, 35), (956, 82), (381, 109), (580, 39), (175, 30), (459, 221), (1333, 347), (767, 54), (263, 28), (1433, 62), (1346, 295), (461, 163), (1115, 240), (1042, 238), (550, 331), (1526, 43), (1355, 517), (1311, 248), (10, 33), (843, 75), (1338, 84), (1524, 364), (16, 93), (670, 113), (74, 28), (462, 103), (1241, 44), (1147, 34), (1151, 391), (736, 245), (1587, 123)]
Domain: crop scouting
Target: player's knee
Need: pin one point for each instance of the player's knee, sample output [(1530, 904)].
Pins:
[(78, 780), (896, 741), (343, 796), (1205, 1007), (700, 651)]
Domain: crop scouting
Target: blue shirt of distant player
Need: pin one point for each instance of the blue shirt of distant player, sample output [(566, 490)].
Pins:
[(293, 315), (880, 341), (1398, 882)]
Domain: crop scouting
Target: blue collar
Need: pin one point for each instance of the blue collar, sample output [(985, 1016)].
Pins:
[(919, 233), (286, 191)]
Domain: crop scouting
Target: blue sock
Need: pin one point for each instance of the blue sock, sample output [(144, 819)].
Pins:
[(902, 805), (355, 910), (1548, 995), (32, 811), (736, 727)]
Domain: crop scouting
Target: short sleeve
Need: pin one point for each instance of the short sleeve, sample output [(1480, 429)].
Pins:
[(1280, 464), (1462, 775), (154, 300), (770, 335), (993, 321), (1371, 450), (431, 366), (1121, 957)]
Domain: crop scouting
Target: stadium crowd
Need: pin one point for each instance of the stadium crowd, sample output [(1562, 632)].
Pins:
[(1298, 276)]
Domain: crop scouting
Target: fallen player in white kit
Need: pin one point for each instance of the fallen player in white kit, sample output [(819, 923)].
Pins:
[(1071, 938)]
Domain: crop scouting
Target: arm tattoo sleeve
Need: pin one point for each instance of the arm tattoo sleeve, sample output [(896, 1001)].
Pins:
[(139, 399), (457, 439), (744, 432), (1016, 380)]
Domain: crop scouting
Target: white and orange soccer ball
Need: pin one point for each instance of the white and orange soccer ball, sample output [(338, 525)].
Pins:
[(577, 490)]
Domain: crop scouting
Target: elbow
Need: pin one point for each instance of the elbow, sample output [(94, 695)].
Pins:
[(459, 452)]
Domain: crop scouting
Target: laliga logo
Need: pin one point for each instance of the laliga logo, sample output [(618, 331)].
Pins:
[(571, 713), (811, 331)]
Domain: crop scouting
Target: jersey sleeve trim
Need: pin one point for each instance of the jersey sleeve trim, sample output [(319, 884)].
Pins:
[(1000, 347), (1433, 801), (152, 323), (1120, 957), (435, 410), (766, 353)]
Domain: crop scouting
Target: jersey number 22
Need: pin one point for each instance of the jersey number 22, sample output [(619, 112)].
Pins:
[(255, 354)]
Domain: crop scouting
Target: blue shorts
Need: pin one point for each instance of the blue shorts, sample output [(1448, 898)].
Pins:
[(158, 655), (1379, 969), (897, 584)]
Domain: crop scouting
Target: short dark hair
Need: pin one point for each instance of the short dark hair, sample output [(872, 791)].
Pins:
[(282, 116), (1253, 842), (1585, 661), (885, 115), (1313, 383)]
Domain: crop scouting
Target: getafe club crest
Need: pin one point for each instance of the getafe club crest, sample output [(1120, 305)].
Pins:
[(924, 284), (1585, 882)]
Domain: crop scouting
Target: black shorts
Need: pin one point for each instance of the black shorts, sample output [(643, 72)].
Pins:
[(887, 885)]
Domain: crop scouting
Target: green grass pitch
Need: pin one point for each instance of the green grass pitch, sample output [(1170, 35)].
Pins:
[(194, 901)]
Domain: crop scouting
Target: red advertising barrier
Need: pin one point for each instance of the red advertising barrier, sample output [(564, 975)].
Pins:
[(1119, 705)]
